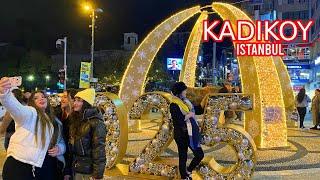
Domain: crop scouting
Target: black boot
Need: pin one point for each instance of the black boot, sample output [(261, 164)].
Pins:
[(315, 127)]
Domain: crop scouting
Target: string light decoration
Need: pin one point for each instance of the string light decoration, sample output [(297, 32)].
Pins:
[(134, 77), (287, 92), (116, 123), (284, 77), (54, 100), (240, 141), (211, 134), (144, 162), (188, 73), (115, 119), (259, 76)]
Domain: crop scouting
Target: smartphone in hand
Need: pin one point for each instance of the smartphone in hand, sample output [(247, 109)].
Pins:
[(15, 81)]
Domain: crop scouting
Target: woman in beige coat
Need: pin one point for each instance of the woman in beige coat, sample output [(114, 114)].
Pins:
[(315, 109)]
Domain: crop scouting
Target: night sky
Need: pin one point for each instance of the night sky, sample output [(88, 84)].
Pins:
[(36, 24)]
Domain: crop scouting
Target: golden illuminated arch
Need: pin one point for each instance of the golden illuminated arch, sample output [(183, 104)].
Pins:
[(188, 73), (259, 76), (132, 84), (287, 92)]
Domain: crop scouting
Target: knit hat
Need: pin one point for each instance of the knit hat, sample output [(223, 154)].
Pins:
[(178, 88), (87, 95)]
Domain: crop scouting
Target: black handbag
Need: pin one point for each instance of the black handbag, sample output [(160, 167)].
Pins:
[(83, 165)]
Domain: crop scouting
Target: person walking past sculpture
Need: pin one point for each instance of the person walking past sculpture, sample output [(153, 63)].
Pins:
[(315, 109), (302, 100)]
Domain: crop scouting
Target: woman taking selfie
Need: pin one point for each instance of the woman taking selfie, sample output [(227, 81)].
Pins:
[(37, 143)]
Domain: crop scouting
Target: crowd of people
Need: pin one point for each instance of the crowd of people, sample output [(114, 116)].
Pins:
[(302, 101), (68, 142), (42, 142)]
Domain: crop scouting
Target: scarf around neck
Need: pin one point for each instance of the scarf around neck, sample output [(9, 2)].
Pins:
[(192, 125)]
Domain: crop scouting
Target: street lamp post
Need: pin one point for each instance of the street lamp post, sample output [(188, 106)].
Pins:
[(93, 19), (93, 11), (58, 43), (65, 63)]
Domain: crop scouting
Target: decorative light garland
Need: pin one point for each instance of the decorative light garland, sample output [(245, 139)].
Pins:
[(235, 136), (134, 77), (116, 124), (240, 141), (258, 75), (54, 100), (188, 73), (117, 137), (144, 162)]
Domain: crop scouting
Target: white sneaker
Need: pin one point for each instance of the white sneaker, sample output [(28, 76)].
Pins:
[(188, 178), (189, 174)]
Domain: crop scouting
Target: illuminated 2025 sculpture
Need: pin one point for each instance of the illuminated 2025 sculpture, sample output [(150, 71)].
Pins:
[(259, 75), (211, 133)]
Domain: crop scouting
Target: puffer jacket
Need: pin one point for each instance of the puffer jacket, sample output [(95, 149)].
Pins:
[(89, 147)]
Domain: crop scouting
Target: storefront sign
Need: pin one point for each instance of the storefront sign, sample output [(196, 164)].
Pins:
[(317, 61), (257, 41), (298, 66)]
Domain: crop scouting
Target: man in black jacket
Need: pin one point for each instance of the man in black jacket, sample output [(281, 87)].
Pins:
[(88, 137), (186, 131)]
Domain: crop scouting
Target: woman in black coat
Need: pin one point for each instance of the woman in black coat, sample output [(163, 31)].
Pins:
[(186, 130), (87, 137)]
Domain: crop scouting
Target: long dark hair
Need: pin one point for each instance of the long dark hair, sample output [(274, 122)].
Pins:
[(46, 119), (76, 117), (301, 95)]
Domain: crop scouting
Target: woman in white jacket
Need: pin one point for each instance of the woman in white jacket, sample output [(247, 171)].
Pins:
[(37, 142)]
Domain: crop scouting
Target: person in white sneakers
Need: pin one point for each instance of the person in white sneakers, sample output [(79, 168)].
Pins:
[(37, 143)]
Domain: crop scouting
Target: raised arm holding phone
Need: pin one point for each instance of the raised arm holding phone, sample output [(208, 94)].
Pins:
[(37, 142)]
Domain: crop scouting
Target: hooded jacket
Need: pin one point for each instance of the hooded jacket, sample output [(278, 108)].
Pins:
[(89, 146)]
